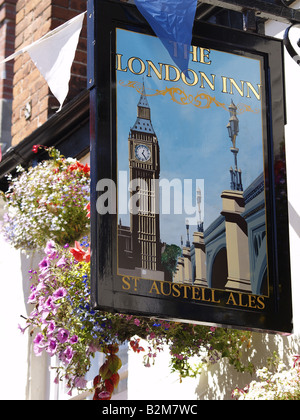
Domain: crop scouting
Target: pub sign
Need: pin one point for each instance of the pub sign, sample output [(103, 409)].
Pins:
[(189, 196)]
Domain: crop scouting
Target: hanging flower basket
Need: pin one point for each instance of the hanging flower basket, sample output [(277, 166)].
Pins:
[(48, 209), (47, 201)]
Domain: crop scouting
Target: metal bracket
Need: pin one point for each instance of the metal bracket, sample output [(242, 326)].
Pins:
[(288, 3), (250, 21), (91, 44), (289, 45)]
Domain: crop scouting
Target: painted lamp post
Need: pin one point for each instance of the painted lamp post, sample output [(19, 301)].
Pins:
[(233, 131)]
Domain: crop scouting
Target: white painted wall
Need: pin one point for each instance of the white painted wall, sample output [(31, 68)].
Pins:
[(22, 374)]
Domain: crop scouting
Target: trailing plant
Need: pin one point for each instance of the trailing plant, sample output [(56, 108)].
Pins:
[(64, 324), (62, 321)]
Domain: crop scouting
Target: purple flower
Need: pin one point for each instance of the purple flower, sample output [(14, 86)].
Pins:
[(33, 297), (67, 355), (38, 350), (45, 307), (62, 262), (38, 344), (44, 264), (38, 339), (51, 328), (22, 329), (60, 293), (63, 335), (74, 339), (41, 302), (49, 304), (41, 286), (52, 346), (80, 382), (50, 250)]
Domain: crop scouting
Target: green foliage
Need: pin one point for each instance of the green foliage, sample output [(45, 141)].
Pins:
[(169, 257)]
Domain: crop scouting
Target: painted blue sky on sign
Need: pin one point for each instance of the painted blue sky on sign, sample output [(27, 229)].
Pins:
[(194, 142)]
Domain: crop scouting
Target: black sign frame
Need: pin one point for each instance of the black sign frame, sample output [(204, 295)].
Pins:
[(131, 296)]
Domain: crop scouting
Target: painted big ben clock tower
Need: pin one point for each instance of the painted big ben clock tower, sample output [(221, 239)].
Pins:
[(144, 165)]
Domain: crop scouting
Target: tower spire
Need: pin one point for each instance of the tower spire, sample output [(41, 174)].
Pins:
[(143, 124)]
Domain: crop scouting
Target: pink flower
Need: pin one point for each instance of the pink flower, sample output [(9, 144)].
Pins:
[(137, 322), (38, 344), (22, 329), (38, 339), (44, 264), (50, 302), (33, 297), (47, 307), (51, 328), (67, 355), (62, 262), (41, 286), (60, 293), (80, 382), (50, 250), (63, 335), (52, 346), (74, 339), (101, 395)]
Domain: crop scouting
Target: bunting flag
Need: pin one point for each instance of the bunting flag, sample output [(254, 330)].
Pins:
[(53, 55), (172, 21)]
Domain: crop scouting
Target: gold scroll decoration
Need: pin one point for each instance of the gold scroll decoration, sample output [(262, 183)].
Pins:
[(179, 96)]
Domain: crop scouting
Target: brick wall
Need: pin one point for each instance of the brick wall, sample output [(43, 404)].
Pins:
[(33, 102)]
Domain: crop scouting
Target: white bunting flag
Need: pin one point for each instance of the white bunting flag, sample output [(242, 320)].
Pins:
[(53, 55)]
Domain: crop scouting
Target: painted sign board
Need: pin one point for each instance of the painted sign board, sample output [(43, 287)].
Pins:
[(189, 197)]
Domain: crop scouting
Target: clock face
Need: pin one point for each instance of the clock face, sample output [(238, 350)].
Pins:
[(142, 153)]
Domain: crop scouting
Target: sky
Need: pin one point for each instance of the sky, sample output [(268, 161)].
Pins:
[(194, 142)]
